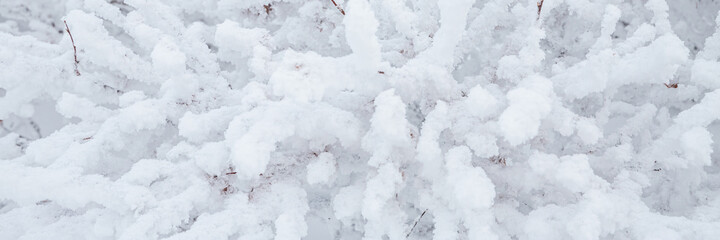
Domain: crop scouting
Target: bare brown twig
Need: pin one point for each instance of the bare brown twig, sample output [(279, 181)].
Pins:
[(539, 5), (416, 222), (77, 72), (338, 7), (268, 8)]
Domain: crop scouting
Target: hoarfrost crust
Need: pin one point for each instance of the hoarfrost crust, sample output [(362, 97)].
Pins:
[(359, 119)]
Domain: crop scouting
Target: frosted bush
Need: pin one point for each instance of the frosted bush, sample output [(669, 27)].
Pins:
[(396, 119)]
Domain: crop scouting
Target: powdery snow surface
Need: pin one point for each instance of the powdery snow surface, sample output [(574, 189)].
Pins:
[(376, 119)]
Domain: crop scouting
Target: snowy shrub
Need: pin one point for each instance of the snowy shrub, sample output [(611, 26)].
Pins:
[(359, 119)]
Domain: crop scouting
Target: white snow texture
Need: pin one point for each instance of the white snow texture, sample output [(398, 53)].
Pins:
[(359, 119)]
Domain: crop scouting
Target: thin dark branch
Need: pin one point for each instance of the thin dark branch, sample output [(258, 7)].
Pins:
[(539, 5), (36, 128), (107, 87), (268, 8), (77, 72), (338, 7), (416, 223)]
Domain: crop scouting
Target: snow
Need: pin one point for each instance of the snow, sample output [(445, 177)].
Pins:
[(322, 169), (529, 104), (346, 205), (697, 146), (588, 132), (360, 27), (167, 59), (395, 119)]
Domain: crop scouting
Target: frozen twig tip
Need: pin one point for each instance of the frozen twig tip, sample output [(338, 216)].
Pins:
[(338, 7), (539, 5), (77, 72)]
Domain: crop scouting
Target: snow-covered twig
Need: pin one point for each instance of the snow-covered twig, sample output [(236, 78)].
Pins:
[(338, 7), (415, 224), (36, 128), (539, 5), (77, 72)]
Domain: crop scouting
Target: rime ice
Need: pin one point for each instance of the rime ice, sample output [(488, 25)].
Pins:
[(393, 119)]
